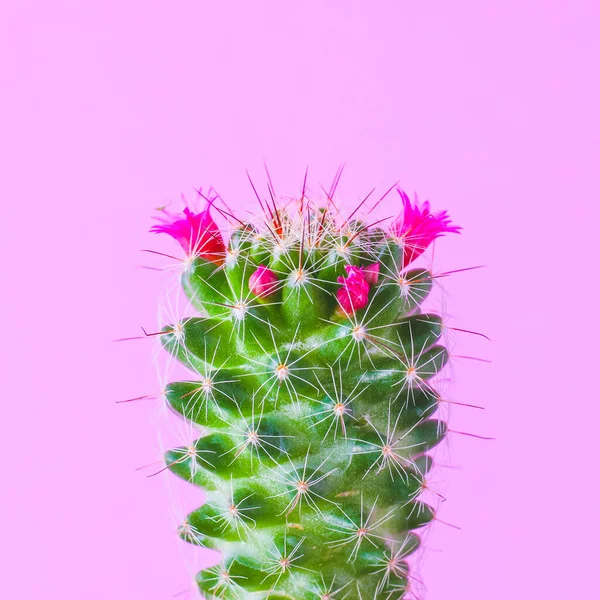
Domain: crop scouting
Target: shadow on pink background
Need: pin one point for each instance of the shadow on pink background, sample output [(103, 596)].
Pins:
[(489, 109)]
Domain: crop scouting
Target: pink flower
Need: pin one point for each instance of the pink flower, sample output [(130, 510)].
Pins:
[(355, 291), (263, 282), (197, 234), (417, 227), (371, 273)]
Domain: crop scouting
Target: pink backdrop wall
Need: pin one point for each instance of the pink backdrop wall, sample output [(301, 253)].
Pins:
[(490, 109)]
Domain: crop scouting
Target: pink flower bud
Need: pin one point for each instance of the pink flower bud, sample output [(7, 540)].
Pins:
[(354, 294), (371, 273), (197, 234), (417, 227), (263, 282)]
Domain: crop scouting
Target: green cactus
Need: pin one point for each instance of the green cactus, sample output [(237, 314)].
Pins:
[(311, 363)]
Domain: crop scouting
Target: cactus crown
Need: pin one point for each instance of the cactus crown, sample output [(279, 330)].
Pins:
[(312, 365)]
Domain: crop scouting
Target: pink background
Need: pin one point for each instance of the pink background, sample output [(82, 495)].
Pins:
[(490, 109)]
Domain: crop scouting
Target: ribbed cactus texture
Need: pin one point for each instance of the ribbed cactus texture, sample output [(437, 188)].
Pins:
[(311, 362)]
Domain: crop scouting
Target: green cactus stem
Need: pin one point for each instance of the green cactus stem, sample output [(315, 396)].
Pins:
[(311, 379)]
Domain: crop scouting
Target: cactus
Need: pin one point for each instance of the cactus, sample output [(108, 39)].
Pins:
[(312, 364)]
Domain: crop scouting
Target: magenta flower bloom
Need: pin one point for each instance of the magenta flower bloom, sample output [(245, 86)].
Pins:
[(197, 234), (354, 293), (263, 282), (417, 227)]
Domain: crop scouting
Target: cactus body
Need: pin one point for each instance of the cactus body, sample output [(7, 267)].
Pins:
[(312, 362)]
